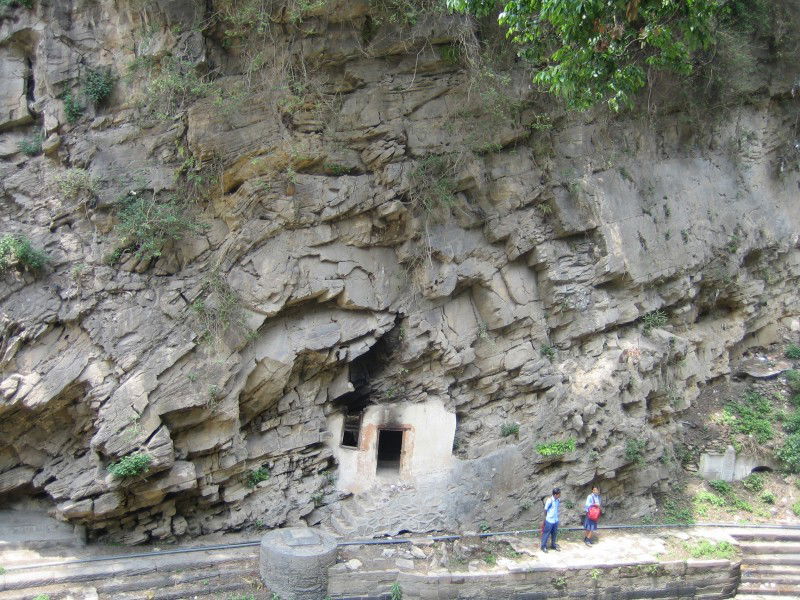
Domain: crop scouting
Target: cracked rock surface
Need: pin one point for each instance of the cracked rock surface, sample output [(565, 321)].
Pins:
[(519, 300)]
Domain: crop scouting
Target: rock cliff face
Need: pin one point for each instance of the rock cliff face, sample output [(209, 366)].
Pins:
[(382, 226)]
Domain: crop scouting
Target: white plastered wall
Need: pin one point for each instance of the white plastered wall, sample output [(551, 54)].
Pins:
[(428, 432)]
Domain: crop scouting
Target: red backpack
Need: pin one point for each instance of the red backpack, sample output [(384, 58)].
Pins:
[(594, 512)]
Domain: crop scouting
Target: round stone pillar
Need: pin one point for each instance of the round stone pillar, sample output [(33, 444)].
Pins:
[(294, 562)]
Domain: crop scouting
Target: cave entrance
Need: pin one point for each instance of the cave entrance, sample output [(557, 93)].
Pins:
[(351, 430), (761, 469), (390, 449)]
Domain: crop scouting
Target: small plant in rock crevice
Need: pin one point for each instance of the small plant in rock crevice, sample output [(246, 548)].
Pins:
[(547, 351), (130, 466), (653, 320), (432, 187), (17, 251), (72, 108), (31, 146), (74, 181), (256, 476), (792, 352), (634, 451), (508, 429), (395, 592)]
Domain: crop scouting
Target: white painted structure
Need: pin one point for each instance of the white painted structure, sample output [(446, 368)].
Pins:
[(427, 443), (730, 466)]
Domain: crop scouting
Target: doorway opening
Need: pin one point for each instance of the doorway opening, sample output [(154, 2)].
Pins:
[(390, 448)]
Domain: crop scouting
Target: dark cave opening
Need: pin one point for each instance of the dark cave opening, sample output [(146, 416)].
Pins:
[(390, 447), (363, 371)]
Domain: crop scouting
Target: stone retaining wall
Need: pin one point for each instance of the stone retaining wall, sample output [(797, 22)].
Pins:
[(707, 579)]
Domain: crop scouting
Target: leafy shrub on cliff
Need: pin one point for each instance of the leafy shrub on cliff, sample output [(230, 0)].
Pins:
[(72, 108), (146, 224), (789, 453), (792, 351), (17, 251), (556, 448), (130, 466), (634, 451), (75, 181), (98, 85)]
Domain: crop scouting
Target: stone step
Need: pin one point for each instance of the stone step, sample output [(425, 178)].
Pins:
[(53, 592), (769, 589), (776, 579), (164, 580), (770, 559), (771, 548), (219, 591), (129, 567), (770, 535), (766, 570)]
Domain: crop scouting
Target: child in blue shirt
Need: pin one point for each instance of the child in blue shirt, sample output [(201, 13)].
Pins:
[(589, 525), (551, 521)]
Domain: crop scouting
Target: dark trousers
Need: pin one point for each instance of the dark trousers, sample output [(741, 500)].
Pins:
[(550, 530)]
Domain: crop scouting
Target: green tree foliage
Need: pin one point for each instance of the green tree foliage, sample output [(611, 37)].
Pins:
[(594, 51)]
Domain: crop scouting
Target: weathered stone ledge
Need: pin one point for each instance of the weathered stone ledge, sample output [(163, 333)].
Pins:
[(706, 579)]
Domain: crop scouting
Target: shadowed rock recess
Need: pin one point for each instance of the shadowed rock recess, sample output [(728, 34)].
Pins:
[(403, 271)]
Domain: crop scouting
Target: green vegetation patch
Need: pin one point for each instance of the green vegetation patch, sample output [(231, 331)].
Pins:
[(75, 181), (789, 453), (709, 549), (596, 52), (556, 448), (31, 146), (752, 416), (98, 85), (17, 251), (131, 466), (634, 451), (256, 476), (431, 183), (653, 320), (792, 351), (508, 429), (146, 224)]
